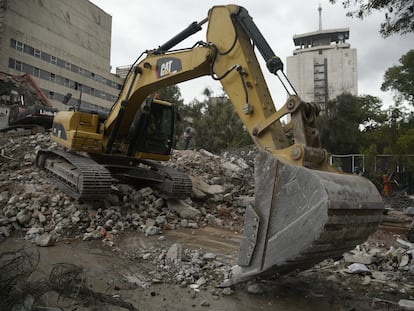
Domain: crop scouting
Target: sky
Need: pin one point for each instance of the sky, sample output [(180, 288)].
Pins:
[(137, 27)]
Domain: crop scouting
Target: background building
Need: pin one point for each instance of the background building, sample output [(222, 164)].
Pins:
[(323, 65), (65, 45)]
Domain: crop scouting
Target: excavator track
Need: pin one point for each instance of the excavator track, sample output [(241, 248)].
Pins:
[(80, 177), (171, 183), (177, 186)]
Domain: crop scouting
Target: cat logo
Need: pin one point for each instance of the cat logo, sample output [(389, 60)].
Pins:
[(167, 66)]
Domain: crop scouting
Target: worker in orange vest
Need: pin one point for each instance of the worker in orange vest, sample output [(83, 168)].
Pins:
[(387, 183)]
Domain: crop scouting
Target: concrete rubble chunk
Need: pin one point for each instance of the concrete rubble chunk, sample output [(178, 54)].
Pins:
[(183, 209), (232, 167), (209, 256), (151, 230), (357, 268), (202, 186), (359, 257), (138, 280), (406, 304), (174, 253), (24, 217), (409, 210), (45, 240), (207, 153), (405, 244)]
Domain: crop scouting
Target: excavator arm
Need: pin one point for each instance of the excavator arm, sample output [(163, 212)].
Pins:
[(228, 55), (305, 211)]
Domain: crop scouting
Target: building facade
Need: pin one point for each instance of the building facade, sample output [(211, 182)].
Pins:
[(65, 45), (323, 65)]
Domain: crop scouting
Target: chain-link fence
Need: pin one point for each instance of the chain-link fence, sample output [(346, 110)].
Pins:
[(398, 167)]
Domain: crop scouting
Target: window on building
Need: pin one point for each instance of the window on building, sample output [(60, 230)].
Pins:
[(320, 52), (53, 59), (45, 57), (61, 63), (74, 68), (52, 77), (67, 65), (45, 75), (36, 72), (27, 68), (66, 82), (28, 49), (80, 71), (18, 65), (51, 95), (19, 46), (37, 53)]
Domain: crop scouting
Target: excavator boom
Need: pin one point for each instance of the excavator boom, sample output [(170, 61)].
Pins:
[(305, 210)]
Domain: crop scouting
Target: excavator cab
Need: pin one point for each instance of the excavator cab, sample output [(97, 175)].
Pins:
[(152, 130)]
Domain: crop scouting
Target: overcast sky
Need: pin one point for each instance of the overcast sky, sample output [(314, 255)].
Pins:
[(142, 25)]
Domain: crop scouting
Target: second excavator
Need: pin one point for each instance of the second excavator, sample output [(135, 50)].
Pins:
[(304, 211)]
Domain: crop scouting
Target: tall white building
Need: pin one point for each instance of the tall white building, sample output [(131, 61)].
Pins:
[(323, 65)]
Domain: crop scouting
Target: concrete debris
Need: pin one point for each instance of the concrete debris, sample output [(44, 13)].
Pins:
[(223, 188), (406, 304), (359, 257), (183, 209), (175, 252), (137, 280), (357, 268), (46, 239)]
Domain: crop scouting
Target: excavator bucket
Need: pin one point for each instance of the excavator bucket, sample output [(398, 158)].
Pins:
[(303, 216)]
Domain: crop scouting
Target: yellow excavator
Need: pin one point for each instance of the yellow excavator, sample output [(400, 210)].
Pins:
[(305, 211)]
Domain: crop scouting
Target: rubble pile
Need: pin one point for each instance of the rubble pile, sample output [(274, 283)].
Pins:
[(30, 204), (223, 188), (400, 201)]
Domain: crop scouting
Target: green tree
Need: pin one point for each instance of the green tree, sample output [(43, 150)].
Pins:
[(171, 94), (346, 118), (399, 14), (400, 79), (220, 127)]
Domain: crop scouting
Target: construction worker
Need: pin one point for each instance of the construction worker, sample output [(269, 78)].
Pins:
[(188, 135)]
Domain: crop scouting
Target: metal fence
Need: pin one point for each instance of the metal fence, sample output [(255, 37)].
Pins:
[(400, 166)]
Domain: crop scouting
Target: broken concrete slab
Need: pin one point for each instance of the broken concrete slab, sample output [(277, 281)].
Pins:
[(183, 209), (406, 304), (202, 186), (45, 240), (359, 257)]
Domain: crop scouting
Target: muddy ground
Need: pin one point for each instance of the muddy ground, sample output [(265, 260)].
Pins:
[(105, 271)]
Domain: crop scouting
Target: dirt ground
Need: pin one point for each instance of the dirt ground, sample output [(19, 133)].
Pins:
[(106, 270)]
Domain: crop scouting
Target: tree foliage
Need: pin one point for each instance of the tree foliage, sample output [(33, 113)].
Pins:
[(399, 14), (400, 78), (346, 118), (220, 127), (217, 125)]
